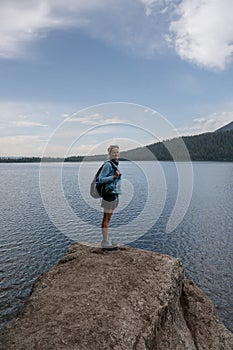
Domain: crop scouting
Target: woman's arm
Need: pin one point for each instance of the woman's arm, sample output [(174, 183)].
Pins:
[(104, 175)]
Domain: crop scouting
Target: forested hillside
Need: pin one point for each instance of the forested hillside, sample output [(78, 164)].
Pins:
[(212, 146), (209, 146)]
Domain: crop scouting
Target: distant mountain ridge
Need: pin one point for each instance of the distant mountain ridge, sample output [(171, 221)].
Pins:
[(211, 146), (226, 127)]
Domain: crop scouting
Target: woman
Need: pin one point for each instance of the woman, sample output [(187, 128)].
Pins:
[(110, 175)]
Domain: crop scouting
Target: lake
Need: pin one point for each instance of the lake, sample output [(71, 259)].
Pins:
[(46, 207)]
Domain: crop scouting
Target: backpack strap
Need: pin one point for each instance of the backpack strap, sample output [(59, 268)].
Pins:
[(99, 171), (113, 165)]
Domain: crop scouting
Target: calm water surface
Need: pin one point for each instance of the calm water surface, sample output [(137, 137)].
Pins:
[(30, 242)]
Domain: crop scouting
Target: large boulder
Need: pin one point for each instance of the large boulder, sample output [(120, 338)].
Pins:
[(122, 300)]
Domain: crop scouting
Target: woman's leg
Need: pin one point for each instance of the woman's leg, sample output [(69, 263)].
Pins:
[(105, 224)]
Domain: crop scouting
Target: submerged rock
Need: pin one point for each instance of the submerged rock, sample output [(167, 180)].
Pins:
[(123, 299)]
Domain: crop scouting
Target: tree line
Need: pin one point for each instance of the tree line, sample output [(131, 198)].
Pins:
[(212, 146)]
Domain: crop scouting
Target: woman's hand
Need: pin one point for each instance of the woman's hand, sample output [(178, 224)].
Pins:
[(116, 174)]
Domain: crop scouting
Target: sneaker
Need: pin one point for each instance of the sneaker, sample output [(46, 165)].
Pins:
[(108, 244), (113, 242)]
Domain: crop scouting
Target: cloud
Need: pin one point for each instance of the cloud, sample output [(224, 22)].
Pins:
[(203, 32), (207, 123), (160, 6), (10, 146), (135, 24), (34, 114), (91, 120), (22, 123), (148, 6), (26, 21), (200, 31), (20, 23), (96, 119), (26, 127)]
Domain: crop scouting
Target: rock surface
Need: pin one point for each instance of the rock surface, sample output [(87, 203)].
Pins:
[(122, 300)]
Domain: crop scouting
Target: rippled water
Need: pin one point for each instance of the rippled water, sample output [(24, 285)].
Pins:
[(32, 238)]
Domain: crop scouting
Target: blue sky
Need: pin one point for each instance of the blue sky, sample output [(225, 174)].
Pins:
[(60, 57)]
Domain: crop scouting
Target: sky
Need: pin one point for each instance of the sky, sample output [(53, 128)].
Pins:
[(78, 75)]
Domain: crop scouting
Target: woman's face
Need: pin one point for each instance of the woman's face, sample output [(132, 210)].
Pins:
[(115, 153)]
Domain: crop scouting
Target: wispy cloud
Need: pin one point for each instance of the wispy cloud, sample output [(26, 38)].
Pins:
[(22, 123), (26, 114), (207, 123), (26, 127), (159, 6), (95, 119), (12, 145)]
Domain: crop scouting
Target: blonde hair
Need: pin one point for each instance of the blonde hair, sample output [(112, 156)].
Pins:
[(110, 148)]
